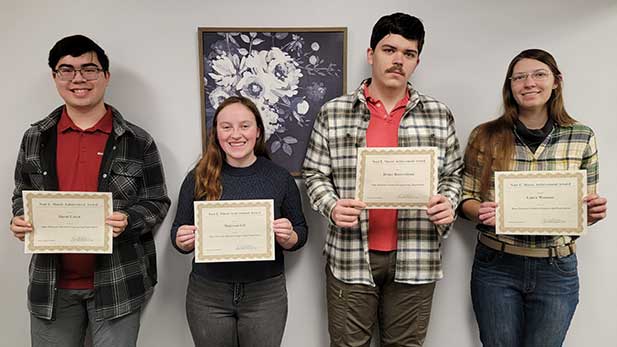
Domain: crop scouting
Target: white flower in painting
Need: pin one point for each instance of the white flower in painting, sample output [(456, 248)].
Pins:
[(285, 70), (313, 59), (256, 87), (226, 70), (259, 79), (302, 107), (278, 70), (217, 96), (315, 46), (269, 117)]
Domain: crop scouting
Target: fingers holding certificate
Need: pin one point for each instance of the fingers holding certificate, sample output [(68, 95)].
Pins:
[(541, 202), (396, 177), (234, 230), (67, 222)]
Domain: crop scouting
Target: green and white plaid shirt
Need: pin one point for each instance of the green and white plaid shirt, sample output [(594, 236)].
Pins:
[(565, 148), (330, 174)]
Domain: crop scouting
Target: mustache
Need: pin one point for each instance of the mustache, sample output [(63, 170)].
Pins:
[(395, 68)]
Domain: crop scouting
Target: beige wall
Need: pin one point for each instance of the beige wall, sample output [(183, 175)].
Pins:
[(155, 83)]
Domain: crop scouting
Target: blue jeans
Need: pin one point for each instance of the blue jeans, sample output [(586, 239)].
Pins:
[(523, 301), (225, 314)]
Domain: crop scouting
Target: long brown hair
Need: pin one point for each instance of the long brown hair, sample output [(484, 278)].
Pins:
[(492, 146), (208, 170)]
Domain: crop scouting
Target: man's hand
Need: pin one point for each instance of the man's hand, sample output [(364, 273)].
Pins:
[(20, 227), (346, 212), (440, 210), (119, 221)]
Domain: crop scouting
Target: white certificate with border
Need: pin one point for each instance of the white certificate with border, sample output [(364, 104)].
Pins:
[(396, 177), (234, 230), (541, 202), (68, 222)]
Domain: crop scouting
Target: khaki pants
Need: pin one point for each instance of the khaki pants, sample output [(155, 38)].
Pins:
[(402, 310)]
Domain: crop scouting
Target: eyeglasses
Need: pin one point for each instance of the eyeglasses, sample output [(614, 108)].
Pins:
[(67, 73), (538, 75)]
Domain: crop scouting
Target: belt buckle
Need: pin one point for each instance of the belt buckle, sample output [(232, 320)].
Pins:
[(561, 254)]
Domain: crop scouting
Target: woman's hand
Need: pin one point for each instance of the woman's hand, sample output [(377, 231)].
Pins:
[(185, 237), (596, 208), (486, 213), (284, 233)]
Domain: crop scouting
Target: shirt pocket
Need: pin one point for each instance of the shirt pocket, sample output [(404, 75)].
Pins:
[(126, 180)]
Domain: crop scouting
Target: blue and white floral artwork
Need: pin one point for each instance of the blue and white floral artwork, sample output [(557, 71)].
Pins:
[(288, 73)]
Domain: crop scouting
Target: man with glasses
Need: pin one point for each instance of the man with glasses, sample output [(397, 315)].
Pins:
[(382, 265), (86, 145)]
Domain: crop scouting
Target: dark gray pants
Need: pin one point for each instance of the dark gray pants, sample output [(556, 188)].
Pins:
[(73, 314), (236, 314)]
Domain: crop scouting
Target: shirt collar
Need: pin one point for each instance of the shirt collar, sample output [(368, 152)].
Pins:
[(105, 124), (373, 101)]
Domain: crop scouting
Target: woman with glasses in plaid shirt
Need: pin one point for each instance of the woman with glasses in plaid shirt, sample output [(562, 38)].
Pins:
[(525, 288)]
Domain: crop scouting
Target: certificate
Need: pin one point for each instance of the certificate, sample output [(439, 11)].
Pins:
[(541, 202), (68, 222), (234, 230), (396, 177)]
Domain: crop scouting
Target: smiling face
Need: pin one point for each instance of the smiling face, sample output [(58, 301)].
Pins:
[(531, 93), (78, 94), (237, 133), (393, 61)]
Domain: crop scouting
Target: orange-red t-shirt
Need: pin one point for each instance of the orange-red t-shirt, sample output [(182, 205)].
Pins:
[(382, 131), (78, 160)]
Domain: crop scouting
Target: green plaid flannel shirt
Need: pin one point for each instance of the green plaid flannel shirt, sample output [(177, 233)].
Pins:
[(330, 173), (565, 148)]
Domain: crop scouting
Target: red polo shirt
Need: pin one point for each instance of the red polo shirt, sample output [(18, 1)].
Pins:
[(79, 154), (382, 131)]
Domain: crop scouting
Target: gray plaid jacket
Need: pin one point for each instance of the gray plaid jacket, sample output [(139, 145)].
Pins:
[(330, 173), (131, 170)]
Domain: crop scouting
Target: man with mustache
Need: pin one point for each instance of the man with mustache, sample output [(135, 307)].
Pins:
[(382, 265), (86, 145)]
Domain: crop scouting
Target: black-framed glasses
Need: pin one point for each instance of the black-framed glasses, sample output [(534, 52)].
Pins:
[(538, 75), (67, 73)]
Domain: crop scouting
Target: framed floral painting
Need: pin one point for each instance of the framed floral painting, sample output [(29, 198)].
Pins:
[(288, 72)]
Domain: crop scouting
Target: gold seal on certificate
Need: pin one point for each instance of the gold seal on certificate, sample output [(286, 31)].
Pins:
[(541, 202), (396, 177), (68, 222), (234, 230)]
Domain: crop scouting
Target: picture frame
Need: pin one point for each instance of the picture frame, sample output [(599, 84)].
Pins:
[(289, 73)]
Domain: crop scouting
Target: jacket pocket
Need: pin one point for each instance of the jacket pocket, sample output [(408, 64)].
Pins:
[(34, 173), (126, 179)]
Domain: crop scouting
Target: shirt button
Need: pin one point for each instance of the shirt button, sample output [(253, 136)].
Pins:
[(44, 173), (104, 175), (114, 147)]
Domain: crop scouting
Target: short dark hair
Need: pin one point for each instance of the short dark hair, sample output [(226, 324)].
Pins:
[(409, 27), (75, 46)]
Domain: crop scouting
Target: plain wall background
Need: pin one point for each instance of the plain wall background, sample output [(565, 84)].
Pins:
[(153, 50)]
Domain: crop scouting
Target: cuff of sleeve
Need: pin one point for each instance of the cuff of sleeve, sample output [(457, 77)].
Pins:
[(444, 229), (459, 210), (329, 206), (129, 219)]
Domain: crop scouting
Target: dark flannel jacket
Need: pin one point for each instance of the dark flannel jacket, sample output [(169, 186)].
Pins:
[(131, 170)]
